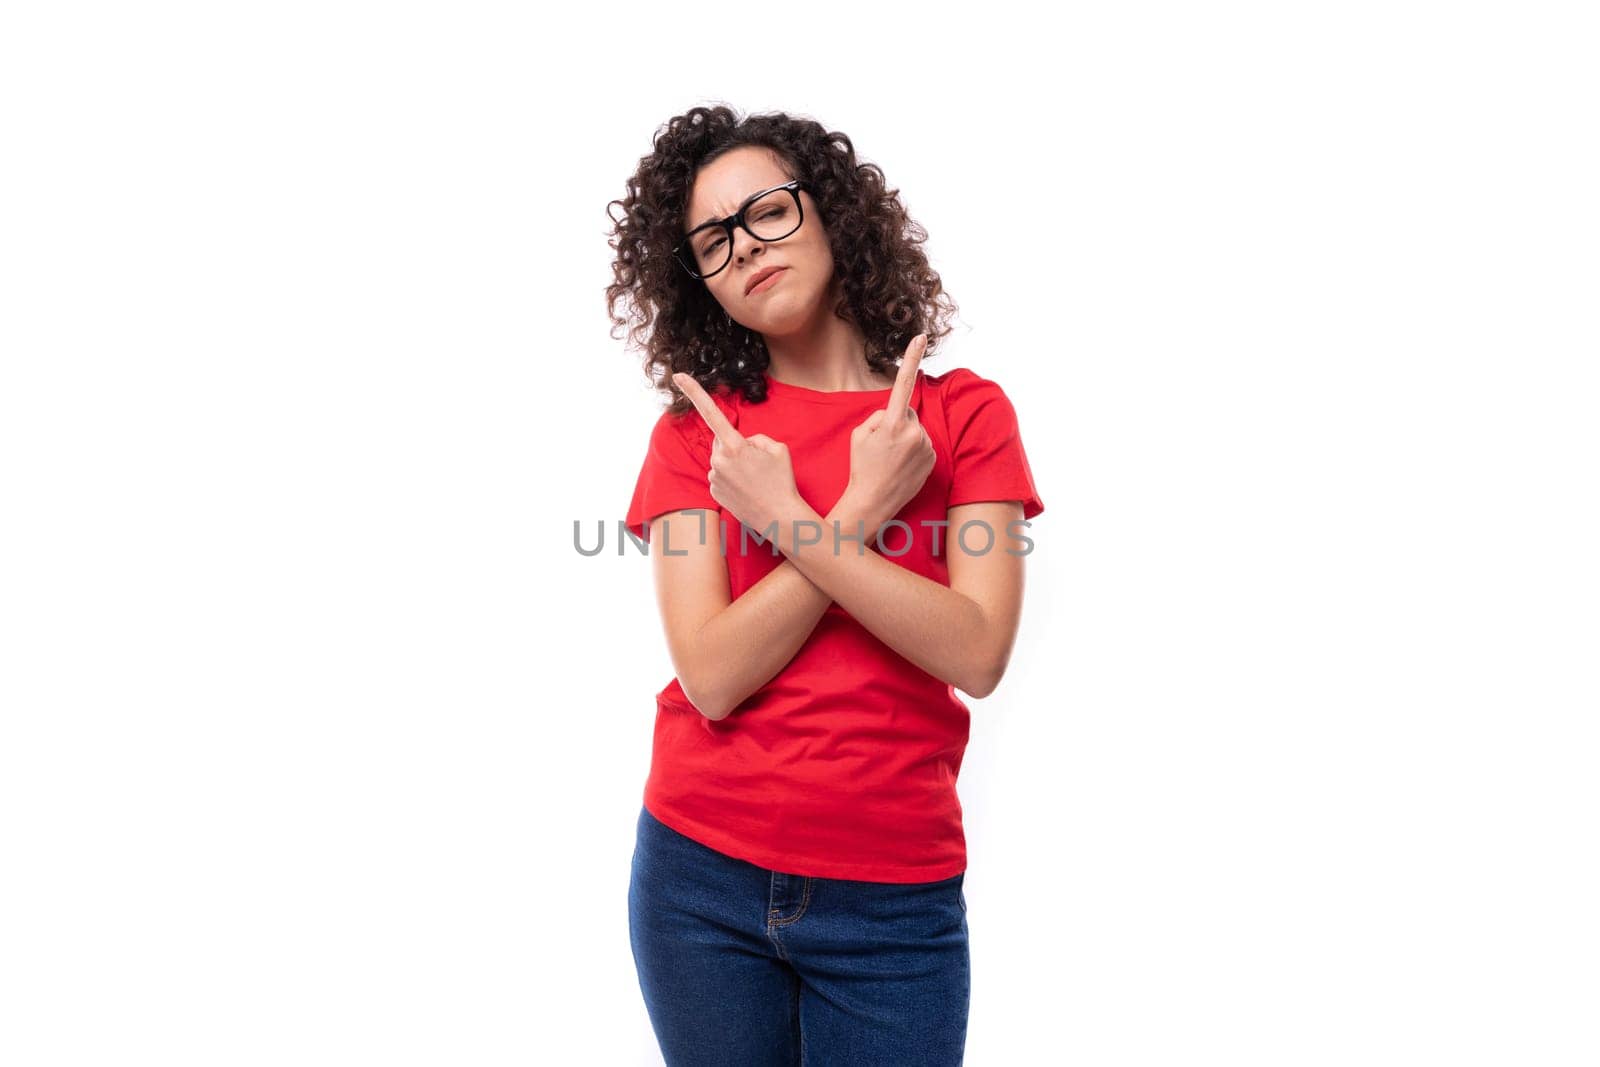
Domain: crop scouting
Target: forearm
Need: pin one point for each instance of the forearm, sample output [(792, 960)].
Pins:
[(940, 630), (746, 644)]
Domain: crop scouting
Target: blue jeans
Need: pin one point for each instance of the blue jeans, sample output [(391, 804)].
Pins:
[(743, 965)]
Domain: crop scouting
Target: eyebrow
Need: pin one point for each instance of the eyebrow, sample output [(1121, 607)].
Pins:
[(742, 203)]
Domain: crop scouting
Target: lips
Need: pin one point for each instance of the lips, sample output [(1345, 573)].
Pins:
[(761, 276)]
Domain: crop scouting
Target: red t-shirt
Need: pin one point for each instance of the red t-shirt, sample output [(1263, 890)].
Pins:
[(844, 764)]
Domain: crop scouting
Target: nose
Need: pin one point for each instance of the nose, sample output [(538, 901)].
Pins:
[(744, 244)]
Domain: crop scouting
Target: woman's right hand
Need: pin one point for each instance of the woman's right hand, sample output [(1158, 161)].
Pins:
[(890, 453)]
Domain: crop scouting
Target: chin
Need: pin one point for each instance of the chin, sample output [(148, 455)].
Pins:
[(788, 312)]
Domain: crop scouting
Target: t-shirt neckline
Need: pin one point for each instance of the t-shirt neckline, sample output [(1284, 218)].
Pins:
[(827, 396)]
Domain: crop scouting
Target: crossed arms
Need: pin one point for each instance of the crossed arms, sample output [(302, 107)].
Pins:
[(724, 649)]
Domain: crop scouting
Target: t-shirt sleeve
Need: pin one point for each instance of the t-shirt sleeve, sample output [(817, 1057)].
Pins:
[(673, 476), (988, 457)]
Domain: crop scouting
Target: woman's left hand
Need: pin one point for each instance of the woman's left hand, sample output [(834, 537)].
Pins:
[(751, 476)]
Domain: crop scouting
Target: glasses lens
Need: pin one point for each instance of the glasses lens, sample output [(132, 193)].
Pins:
[(771, 217), (708, 250), (774, 216)]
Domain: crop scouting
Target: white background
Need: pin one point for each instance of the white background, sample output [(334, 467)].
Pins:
[(322, 745)]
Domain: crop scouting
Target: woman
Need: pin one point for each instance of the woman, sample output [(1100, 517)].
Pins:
[(797, 877)]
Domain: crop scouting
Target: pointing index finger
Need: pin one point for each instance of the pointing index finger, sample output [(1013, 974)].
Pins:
[(900, 398), (708, 410)]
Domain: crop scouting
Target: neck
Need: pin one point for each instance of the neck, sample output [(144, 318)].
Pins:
[(828, 354)]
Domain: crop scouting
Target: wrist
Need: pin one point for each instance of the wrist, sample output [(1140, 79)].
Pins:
[(852, 508), (797, 510)]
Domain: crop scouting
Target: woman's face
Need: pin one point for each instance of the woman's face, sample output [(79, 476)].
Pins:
[(788, 302)]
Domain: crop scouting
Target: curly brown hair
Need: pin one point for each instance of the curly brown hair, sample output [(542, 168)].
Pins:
[(887, 289)]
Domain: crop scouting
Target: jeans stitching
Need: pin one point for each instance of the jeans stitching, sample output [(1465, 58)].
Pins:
[(805, 900), (772, 935)]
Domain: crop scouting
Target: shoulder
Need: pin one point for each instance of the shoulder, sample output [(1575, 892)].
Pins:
[(670, 423), (688, 427), (963, 384), (968, 395)]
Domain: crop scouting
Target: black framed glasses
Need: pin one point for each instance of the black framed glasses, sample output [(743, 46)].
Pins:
[(770, 215)]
